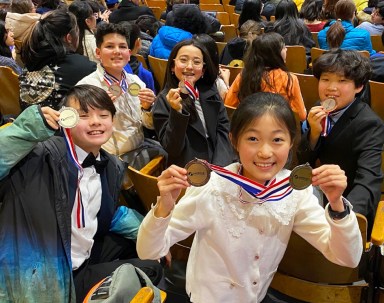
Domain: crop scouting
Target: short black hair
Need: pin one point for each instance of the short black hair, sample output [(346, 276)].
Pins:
[(350, 63), (110, 28), (90, 96)]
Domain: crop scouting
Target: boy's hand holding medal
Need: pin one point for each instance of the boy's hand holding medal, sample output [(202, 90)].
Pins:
[(51, 116), (146, 97)]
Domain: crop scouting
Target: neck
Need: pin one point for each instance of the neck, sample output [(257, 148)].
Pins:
[(115, 73)]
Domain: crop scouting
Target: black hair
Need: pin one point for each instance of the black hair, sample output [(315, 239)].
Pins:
[(4, 48), (328, 11), (210, 45), (148, 24), (90, 96), (257, 105), (82, 10), (21, 6), (104, 29), (349, 63), (288, 23), (51, 4), (210, 71), (45, 42), (188, 17), (251, 11), (311, 10), (262, 56), (134, 34), (344, 10)]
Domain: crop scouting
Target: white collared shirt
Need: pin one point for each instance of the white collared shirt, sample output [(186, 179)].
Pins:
[(90, 188)]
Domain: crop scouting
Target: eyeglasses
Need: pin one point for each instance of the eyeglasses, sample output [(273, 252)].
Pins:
[(184, 62)]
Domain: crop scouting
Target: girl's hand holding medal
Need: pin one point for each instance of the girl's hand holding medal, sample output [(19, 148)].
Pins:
[(332, 181), (170, 183), (174, 99)]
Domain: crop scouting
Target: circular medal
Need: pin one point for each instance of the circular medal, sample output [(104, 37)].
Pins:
[(69, 117), (329, 105), (198, 172), (183, 88), (301, 177), (115, 90), (134, 89)]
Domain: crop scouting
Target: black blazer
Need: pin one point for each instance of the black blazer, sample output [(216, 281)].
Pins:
[(184, 140), (129, 11), (355, 143)]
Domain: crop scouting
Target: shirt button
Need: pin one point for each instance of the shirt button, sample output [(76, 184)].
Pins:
[(254, 282), (257, 257), (232, 285), (261, 231)]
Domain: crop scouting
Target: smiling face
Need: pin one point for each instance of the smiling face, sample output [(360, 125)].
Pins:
[(94, 128), (263, 148), (189, 64), (337, 87), (114, 54)]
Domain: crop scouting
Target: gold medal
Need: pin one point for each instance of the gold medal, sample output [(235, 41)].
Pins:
[(329, 105), (134, 89), (115, 90), (301, 177), (69, 117), (198, 172)]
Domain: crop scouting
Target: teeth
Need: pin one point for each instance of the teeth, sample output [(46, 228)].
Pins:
[(263, 164), (96, 132)]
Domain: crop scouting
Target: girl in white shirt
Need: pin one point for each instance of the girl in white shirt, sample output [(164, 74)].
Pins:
[(241, 238)]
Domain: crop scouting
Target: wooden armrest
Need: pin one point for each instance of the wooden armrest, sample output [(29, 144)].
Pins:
[(144, 295), (377, 236), (153, 165)]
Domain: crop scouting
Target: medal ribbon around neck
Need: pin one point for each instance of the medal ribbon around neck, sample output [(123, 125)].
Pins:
[(194, 94), (326, 123), (109, 79), (80, 218), (272, 191)]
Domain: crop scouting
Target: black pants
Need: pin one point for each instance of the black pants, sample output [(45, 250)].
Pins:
[(107, 254)]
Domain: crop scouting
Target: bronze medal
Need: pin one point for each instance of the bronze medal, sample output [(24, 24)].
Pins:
[(183, 88), (329, 105), (134, 89), (69, 117), (115, 90), (301, 177), (198, 172)]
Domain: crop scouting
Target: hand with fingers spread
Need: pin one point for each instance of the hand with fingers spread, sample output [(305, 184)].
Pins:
[(51, 116), (170, 183), (224, 74), (174, 99), (333, 182), (146, 97), (315, 116)]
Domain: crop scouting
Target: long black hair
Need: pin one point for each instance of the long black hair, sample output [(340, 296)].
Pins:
[(4, 48)]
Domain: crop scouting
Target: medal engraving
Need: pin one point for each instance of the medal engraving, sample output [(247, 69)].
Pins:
[(183, 88), (329, 105), (198, 173), (134, 89), (115, 90), (301, 177), (69, 117)]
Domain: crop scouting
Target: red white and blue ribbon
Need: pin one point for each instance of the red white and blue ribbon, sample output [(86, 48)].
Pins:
[(192, 92), (269, 192), (326, 123), (80, 218), (109, 79)]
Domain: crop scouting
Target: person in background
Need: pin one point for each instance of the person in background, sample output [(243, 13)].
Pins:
[(149, 27), (251, 11), (350, 135), (86, 22), (341, 33), (265, 71), (311, 14), (376, 25), (6, 42), (134, 66), (377, 64), (52, 66), (129, 10), (5, 5), (22, 6), (239, 240), (291, 27), (112, 5), (48, 5), (192, 124)]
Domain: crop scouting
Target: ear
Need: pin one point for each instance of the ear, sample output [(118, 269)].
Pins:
[(68, 38), (359, 89), (97, 52), (88, 22)]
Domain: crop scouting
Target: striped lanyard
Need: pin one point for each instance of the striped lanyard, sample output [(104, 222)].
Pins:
[(80, 218), (193, 93), (326, 124), (269, 192), (109, 79)]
